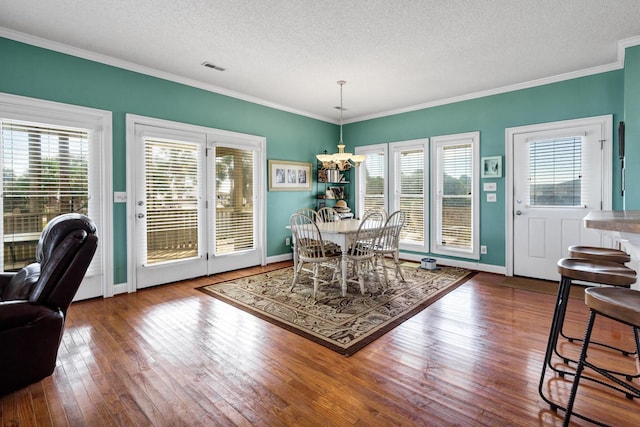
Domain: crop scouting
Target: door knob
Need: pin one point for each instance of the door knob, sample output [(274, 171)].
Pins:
[(140, 215), (518, 212)]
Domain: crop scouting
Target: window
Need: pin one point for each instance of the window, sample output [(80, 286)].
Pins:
[(371, 185), (454, 193), (56, 159), (555, 172), (172, 193), (408, 176), (235, 228)]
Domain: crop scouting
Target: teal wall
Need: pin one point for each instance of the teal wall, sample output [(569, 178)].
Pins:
[(632, 127), (39, 73), (583, 97)]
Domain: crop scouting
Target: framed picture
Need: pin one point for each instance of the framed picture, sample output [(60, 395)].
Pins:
[(289, 176), (492, 167)]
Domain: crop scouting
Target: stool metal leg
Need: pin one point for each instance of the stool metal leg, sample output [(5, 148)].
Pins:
[(629, 390), (579, 369), (556, 325)]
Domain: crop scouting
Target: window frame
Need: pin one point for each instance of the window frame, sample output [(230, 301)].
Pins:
[(395, 148), (99, 122), (437, 143), (368, 150)]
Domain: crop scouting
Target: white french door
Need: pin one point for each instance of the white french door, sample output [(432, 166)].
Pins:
[(198, 205), (235, 214), (559, 175), (169, 205)]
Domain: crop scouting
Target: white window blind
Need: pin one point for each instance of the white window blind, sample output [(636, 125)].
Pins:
[(411, 197), (455, 197), (171, 176), (555, 172), (234, 228), (45, 174), (373, 185), (456, 205)]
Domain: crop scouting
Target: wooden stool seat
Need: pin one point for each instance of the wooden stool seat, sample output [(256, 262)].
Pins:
[(596, 271), (604, 254), (618, 303)]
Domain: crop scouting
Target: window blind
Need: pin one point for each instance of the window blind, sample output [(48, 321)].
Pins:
[(234, 228), (456, 202), (411, 201), (171, 176), (45, 174), (372, 192), (555, 172)]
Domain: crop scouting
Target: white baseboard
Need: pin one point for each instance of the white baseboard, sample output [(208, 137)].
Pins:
[(120, 288), (470, 265), (279, 258)]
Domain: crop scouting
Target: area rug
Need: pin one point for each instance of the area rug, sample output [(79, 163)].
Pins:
[(343, 324)]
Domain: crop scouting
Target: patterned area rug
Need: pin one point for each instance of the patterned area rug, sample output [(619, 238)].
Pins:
[(343, 324)]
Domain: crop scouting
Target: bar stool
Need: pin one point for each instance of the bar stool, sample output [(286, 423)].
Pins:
[(603, 254), (586, 270), (622, 305)]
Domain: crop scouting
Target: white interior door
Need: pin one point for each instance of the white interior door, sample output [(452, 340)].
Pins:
[(558, 177)]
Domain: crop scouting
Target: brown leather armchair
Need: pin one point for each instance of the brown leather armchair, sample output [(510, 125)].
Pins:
[(34, 301)]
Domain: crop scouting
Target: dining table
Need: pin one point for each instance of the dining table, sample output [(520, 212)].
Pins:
[(342, 233)]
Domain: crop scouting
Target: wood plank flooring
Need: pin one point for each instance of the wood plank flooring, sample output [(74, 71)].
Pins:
[(172, 356)]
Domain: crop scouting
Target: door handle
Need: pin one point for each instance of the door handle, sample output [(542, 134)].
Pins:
[(140, 215), (518, 212)]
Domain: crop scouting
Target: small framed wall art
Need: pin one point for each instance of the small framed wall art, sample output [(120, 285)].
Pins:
[(492, 167), (289, 176)]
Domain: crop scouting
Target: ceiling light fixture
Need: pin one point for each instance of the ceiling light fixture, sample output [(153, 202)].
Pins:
[(341, 160)]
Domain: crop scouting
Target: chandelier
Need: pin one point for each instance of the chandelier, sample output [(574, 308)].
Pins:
[(340, 160)]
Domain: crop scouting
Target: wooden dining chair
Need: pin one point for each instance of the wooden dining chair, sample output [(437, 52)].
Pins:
[(389, 244), (360, 255), (378, 210), (327, 214), (311, 213), (312, 249)]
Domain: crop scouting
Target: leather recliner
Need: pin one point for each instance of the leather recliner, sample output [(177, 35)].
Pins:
[(34, 301)]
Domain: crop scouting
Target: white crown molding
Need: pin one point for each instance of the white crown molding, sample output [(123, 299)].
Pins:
[(496, 91), (108, 60), (624, 44), (130, 66)]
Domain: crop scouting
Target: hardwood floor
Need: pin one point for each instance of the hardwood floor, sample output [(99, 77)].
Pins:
[(171, 355)]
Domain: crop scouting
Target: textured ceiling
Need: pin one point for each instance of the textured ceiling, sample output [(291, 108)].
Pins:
[(394, 55)]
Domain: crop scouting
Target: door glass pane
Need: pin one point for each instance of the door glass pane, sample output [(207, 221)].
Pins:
[(234, 227), (555, 172), (45, 174), (171, 177), (456, 220)]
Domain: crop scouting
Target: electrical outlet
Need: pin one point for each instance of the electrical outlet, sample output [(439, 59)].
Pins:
[(483, 249), (287, 241)]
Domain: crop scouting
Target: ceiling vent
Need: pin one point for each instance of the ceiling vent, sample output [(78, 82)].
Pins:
[(214, 66)]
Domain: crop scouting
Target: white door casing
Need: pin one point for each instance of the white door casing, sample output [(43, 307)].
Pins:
[(538, 233)]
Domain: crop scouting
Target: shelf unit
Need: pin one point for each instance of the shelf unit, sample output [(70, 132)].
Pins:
[(331, 185)]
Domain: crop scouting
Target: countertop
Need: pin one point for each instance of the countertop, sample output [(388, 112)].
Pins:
[(621, 221)]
